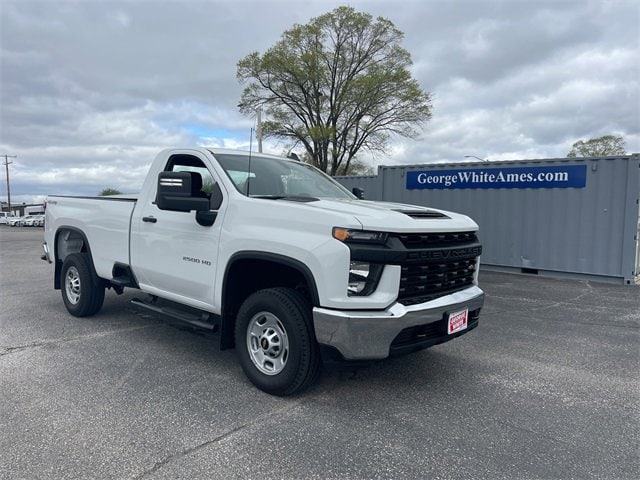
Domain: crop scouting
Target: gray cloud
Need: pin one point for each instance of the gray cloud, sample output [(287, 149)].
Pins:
[(91, 90)]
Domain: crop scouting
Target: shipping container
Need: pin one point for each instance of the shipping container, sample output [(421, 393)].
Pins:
[(560, 217)]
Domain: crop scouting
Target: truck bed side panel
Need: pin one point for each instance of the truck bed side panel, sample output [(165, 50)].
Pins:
[(104, 222)]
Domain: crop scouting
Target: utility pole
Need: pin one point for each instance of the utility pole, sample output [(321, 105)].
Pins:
[(6, 164)]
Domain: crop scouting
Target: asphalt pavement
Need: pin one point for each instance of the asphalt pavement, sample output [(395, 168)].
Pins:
[(546, 387)]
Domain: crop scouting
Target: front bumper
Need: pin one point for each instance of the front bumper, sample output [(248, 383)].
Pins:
[(368, 335)]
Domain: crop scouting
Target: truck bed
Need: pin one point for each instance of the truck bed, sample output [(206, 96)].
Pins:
[(104, 220)]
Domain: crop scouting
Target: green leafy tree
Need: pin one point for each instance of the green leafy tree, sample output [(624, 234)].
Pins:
[(606, 145), (109, 191), (207, 185), (339, 84)]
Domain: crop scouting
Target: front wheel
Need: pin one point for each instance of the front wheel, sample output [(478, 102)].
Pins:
[(82, 290), (275, 342)]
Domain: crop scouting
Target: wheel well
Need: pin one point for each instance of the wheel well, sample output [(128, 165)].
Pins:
[(68, 240), (245, 276)]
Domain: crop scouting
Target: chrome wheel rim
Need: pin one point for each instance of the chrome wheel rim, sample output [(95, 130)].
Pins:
[(72, 285), (267, 343)]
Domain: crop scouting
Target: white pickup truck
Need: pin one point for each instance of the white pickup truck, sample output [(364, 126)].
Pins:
[(277, 258)]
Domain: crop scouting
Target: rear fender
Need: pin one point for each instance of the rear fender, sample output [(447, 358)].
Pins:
[(69, 240)]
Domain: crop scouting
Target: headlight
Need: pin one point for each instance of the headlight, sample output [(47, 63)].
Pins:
[(359, 236), (364, 275), (363, 278)]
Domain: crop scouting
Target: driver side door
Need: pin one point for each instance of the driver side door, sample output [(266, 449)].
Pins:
[(173, 255)]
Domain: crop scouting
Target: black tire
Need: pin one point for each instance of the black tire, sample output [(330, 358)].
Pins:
[(82, 290), (269, 322)]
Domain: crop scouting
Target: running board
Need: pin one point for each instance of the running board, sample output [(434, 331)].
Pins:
[(191, 316)]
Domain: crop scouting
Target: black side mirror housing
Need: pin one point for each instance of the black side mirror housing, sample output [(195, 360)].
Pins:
[(174, 193), (206, 219), (358, 192)]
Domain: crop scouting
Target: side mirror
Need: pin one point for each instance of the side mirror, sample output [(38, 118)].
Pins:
[(174, 193), (206, 219), (216, 197), (358, 192)]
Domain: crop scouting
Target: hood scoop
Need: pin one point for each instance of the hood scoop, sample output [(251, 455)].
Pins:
[(422, 214)]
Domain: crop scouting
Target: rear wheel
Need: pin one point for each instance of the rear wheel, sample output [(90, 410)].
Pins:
[(82, 291), (275, 342)]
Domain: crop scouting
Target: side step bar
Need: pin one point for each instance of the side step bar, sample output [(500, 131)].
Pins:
[(122, 277), (191, 316)]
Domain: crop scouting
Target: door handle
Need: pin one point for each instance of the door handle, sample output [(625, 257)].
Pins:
[(149, 219)]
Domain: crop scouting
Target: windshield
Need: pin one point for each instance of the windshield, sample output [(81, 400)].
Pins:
[(271, 177)]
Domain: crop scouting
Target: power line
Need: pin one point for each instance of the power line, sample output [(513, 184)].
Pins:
[(6, 165)]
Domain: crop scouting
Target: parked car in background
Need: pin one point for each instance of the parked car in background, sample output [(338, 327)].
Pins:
[(14, 221), (32, 221)]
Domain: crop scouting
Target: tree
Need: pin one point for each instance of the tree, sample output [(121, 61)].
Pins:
[(606, 145), (109, 191), (337, 85), (356, 167)]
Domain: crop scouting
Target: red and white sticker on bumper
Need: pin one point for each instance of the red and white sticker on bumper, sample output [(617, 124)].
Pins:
[(458, 321)]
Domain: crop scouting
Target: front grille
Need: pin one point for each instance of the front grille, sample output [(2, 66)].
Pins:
[(437, 264), (428, 240), (421, 283)]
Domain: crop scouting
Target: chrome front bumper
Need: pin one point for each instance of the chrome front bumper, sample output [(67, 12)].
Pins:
[(367, 335)]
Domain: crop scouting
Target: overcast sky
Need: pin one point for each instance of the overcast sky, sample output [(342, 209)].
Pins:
[(90, 91)]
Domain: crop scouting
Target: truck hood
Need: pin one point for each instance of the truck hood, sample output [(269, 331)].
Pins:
[(397, 217)]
